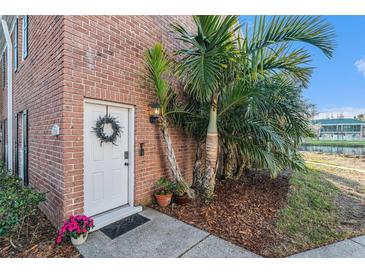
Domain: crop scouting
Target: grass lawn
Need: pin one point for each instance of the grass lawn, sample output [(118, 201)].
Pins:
[(347, 161), (325, 205), (340, 143), (349, 181), (311, 218)]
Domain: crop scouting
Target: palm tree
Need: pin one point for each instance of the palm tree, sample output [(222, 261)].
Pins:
[(259, 125), (202, 68), (262, 125), (217, 55), (158, 65)]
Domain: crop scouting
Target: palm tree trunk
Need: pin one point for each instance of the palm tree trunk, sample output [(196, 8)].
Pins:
[(211, 151), (231, 162), (241, 165), (176, 173), (220, 162), (241, 171), (197, 172)]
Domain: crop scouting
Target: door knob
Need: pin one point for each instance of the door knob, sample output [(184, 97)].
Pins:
[(126, 164)]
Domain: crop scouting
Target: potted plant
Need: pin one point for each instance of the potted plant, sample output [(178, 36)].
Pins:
[(75, 228), (163, 194), (180, 194)]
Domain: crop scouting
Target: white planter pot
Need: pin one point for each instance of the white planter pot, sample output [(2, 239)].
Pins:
[(80, 240)]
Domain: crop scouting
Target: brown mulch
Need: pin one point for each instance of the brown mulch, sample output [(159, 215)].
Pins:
[(243, 212), (40, 243)]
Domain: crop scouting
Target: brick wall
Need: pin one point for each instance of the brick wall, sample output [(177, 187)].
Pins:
[(37, 87), (104, 60), (101, 57)]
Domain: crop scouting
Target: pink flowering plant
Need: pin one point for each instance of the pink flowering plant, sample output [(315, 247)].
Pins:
[(75, 227)]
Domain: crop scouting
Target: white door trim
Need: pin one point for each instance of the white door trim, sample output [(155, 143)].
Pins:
[(131, 121)]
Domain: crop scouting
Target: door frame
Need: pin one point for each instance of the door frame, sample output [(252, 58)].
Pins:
[(131, 134)]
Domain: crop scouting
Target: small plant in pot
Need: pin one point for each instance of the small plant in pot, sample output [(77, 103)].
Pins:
[(164, 193), (180, 194), (76, 228)]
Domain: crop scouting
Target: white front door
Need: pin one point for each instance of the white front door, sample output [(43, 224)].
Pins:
[(105, 165)]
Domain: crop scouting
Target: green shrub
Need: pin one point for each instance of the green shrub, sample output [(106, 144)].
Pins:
[(180, 189), (164, 187), (18, 205)]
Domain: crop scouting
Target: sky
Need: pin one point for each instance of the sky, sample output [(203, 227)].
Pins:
[(338, 84)]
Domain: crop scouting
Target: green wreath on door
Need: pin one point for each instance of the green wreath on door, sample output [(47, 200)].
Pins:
[(99, 129)]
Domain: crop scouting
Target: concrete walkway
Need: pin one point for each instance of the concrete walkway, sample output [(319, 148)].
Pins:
[(350, 248), (167, 237), (161, 237)]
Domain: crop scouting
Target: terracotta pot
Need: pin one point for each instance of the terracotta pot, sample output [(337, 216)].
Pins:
[(182, 200), (80, 240), (163, 200)]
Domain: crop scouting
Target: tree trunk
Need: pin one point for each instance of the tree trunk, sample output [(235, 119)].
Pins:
[(231, 162), (241, 168), (197, 172), (176, 173), (211, 152), (220, 162)]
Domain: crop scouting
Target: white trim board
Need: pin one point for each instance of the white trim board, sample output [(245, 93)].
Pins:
[(108, 103), (12, 25)]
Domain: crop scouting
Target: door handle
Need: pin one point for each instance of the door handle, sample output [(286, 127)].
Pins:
[(126, 164)]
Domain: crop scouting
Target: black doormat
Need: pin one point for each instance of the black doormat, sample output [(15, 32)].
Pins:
[(124, 225)]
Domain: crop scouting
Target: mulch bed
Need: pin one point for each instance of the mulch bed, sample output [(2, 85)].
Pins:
[(243, 212), (41, 246)]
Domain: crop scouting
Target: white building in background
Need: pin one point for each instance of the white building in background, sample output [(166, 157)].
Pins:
[(340, 129)]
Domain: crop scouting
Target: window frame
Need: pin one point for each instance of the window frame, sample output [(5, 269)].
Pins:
[(25, 37), (15, 45), (3, 70)]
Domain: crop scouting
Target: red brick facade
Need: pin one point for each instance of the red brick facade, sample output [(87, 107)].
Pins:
[(38, 87), (100, 57)]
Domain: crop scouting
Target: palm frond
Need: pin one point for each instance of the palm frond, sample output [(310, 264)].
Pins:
[(158, 64), (206, 53), (313, 30)]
